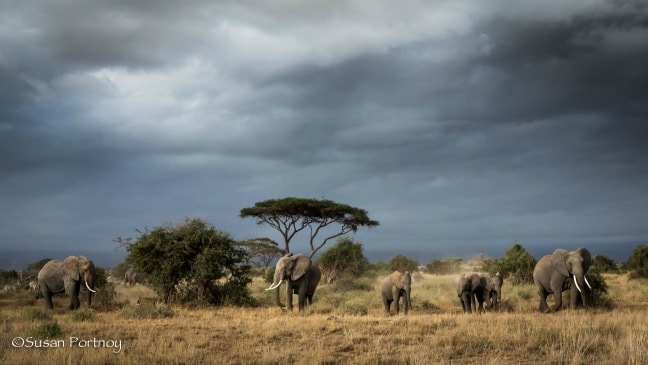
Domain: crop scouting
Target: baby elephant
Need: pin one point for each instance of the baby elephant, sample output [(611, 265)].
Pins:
[(395, 286)]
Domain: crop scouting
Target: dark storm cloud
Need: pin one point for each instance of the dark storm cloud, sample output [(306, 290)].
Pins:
[(455, 125)]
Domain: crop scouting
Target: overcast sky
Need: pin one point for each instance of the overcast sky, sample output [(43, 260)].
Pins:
[(462, 126)]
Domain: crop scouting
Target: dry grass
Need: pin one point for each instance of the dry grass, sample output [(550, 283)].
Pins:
[(345, 328)]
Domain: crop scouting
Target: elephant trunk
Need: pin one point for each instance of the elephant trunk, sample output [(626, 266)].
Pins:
[(277, 279)]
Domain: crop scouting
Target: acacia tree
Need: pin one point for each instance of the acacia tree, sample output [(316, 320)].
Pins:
[(261, 251), (290, 216)]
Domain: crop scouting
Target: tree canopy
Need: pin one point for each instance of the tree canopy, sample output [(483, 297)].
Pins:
[(261, 251), (638, 262), (192, 254), (291, 215), (403, 263), (343, 260), (518, 263)]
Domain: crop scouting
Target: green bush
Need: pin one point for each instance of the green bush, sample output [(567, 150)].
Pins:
[(638, 262), (106, 298), (517, 265), (46, 330), (83, 315), (403, 263), (343, 261), (598, 297), (193, 252), (268, 277)]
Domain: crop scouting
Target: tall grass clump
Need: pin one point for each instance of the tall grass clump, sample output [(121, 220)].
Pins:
[(35, 314), (83, 315), (46, 330), (148, 311)]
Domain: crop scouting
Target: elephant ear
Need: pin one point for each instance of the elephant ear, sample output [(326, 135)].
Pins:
[(397, 279), (587, 257), (71, 267), (558, 260), (302, 265)]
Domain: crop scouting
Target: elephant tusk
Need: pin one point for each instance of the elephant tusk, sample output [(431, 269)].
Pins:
[(587, 282), (577, 287), (88, 286), (273, 286)]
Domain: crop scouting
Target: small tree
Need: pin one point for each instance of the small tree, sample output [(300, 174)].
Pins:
[(446, 266), (290, 216), (403, 263), (261, 251), (518, 263), (603, 263), (192, 253), (638, 262), (345, 259)]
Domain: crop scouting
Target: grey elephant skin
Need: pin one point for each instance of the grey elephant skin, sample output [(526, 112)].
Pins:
[(301, 276), (560, 271), (66, 276), (395, 286), (464, 292), (131, 277), (495, 283), (480, 290)]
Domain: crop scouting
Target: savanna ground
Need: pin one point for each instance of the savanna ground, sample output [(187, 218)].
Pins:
[(345, 325)]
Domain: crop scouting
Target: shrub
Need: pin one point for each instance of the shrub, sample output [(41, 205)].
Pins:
[(443, 267), (342, 261), (518, 263), (598, 297), (638, 262), (83, 315), (604, 264), (196, 253), (46, 330), (106, 298), (268, 277), (403, 263)]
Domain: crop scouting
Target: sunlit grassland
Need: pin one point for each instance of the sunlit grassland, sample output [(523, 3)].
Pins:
[(346, 325)]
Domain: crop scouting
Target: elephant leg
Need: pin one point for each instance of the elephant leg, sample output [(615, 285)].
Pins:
[(574, 295), (302, 300), (289, 304), (387, 305), (396, 296), (47, 295), (277, 297), (557, 300), (543, 307)]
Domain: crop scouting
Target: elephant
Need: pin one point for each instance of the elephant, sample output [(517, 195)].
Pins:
[(302, 278), (130, 277), (464, 292), (554, 273), (495, 282), (480, 289), (66, 276), (395, 286)]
